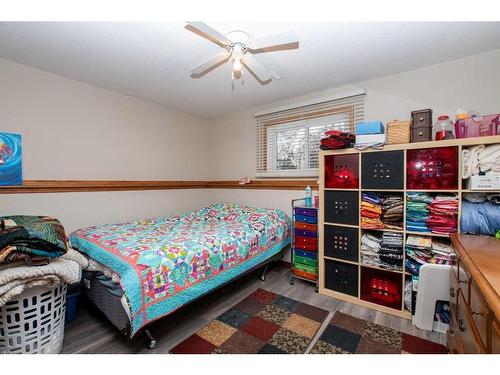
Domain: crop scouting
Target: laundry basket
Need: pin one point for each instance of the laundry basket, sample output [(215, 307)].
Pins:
[(33, 322)]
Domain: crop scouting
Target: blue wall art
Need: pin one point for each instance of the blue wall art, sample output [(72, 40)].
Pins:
[(11, 166)]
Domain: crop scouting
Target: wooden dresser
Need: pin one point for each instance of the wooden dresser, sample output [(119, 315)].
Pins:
[(475, 295)]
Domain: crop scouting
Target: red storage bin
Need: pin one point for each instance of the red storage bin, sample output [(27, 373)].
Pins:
[(305, 226), (306, 246), (432, 169), (306, 240), (381, 287), (342, 171), (477, 126)]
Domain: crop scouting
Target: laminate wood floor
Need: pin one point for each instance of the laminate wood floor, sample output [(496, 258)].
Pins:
[(90, 332)]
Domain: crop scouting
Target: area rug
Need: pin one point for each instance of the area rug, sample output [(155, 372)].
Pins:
[(264, 322), (346, 334)]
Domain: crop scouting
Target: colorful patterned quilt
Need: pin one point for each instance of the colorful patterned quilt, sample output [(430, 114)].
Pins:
[(166, 262)]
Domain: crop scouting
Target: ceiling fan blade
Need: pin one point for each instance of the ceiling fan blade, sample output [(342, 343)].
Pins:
[(257, 69), (207, 32), (276, 42), (209, 65)]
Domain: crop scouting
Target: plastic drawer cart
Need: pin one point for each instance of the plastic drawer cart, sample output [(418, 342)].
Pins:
[(304, 248), (33, 322)]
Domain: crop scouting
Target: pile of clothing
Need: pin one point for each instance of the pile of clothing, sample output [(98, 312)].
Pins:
[(371, 211), (383, 250), (421, 250), (480, 213), (481, 159), (336, 139), (392, 212), (381, 211), (34, 251), (417, 211), (443, 214)]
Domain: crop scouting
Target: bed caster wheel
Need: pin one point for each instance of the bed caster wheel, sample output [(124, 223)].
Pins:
[(263, 278), (292, 282), (150, 340), (151, 344), (316, 289)]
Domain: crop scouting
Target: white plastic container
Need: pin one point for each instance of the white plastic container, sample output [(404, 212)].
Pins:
[(33, 322)]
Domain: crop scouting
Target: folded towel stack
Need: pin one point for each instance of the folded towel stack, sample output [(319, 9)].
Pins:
[(481, 159), (421, 250), (417, 211), (384, 251), (443, 214)]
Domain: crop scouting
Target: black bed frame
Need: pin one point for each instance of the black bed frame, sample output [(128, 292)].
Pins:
[(110, 305)]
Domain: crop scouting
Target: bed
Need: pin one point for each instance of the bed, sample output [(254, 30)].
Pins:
[(165, 263)]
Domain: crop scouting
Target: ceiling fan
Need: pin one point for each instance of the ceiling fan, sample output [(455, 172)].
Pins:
[(239, 49)]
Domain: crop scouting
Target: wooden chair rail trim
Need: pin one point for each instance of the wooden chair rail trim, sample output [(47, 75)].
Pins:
[(72, 186)]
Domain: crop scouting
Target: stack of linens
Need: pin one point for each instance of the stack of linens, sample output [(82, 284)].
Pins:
[(421, 250), (443, 214), (417, 211)]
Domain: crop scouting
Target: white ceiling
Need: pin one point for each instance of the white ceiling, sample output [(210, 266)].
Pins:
[(153, 60)]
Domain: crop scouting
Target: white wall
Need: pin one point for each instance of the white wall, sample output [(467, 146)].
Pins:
[(72, 130), (471, 83)]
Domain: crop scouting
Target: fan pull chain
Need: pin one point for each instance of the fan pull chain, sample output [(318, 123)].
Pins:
[(232, 81)]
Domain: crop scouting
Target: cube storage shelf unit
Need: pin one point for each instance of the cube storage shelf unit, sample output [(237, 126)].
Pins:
[(397, 169)]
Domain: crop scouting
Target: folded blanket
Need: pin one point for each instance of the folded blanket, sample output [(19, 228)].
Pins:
[(14, 280), (33, 235)]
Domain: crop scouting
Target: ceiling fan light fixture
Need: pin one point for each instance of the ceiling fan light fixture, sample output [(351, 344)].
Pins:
[(239, 49)]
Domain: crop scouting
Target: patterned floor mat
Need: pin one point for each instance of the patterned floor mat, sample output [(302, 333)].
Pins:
[(346, 334), (264, 322)]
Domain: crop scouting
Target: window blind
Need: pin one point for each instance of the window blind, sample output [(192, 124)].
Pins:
[(288, 140)]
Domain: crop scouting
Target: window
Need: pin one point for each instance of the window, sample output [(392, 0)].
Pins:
[(288, 141)]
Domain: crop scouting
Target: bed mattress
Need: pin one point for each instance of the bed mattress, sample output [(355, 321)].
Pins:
[(167, 262)]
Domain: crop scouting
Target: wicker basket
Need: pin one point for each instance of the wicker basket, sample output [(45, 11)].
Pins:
[(398, 132)]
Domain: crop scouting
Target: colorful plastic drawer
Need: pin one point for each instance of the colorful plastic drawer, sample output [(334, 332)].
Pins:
[(306, 240), (382, 170), (306, 261), (381, 287), (341, 242), (305, 226), (306, 211), (342, 207), (306, 254), (341, 277), (305, 233), (306, 219), (432, 169), (342, 171), (306, 247), (305, 268), (305, 275)]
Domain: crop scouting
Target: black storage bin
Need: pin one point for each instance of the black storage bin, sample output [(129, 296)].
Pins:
[(341, 242), (341, 277), (342, 207), (382, 170)]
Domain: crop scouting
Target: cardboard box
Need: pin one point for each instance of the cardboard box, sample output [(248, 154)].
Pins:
[(369, 139), (372, 127), (483, 183)]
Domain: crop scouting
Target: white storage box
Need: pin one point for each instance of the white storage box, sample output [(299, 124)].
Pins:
[(483, 183), (368, 139), (33, 322)]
